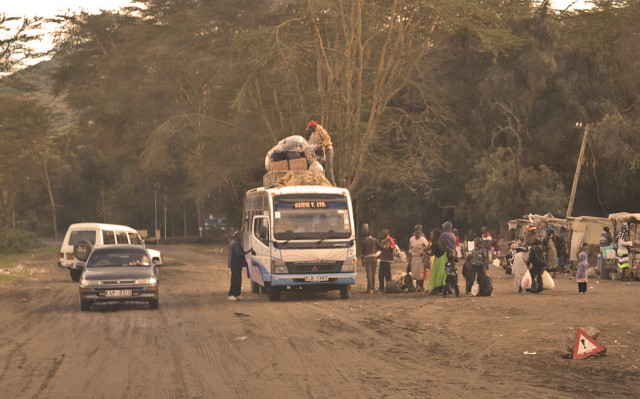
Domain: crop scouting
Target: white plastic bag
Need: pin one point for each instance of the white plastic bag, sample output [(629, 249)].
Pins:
[(526, 281), (475, 288), (547, 281)]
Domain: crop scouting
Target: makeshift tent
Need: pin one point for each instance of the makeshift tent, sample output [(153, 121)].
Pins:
[(633, 219), (580, 229), (542, 223), (585, 230)]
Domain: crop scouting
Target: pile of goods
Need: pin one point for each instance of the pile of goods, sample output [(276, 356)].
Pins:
[(293, 162)]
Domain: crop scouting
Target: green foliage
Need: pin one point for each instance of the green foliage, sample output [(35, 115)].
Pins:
[(460, 109), (16, 241), (501, 189)]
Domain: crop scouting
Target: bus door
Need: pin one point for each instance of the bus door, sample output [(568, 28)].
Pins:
[(260, 250)]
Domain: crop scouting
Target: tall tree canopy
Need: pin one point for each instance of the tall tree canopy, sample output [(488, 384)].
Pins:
[(458, 109)]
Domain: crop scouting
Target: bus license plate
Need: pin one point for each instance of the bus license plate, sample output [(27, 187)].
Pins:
[(117, 293), (316, 278)]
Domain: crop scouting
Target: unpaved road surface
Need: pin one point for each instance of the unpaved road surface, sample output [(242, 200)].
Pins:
[(199, 345)]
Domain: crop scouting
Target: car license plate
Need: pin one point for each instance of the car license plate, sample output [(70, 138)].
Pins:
[(117, 293), (316, 278)]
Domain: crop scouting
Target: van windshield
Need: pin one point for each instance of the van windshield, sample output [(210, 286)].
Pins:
[(311, 216), (79, 235)]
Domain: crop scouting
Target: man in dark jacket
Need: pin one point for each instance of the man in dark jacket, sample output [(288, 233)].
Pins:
[(386, 257), (370, 247), (537, 264), (236, 262)]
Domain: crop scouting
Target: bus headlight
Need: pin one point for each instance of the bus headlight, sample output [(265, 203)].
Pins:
[(278, 266), (350, 265)]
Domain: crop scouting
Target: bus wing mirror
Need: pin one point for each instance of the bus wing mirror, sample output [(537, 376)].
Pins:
[(263, 232)]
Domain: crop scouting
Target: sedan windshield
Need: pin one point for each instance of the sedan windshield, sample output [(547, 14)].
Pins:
[(118, 258)]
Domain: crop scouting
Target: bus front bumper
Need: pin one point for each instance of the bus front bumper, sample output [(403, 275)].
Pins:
[(313, 279)]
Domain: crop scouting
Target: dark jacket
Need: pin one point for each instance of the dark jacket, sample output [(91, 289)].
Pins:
[(236, 254), (388, 245), (536, 257), (438, 248), (370, 246)]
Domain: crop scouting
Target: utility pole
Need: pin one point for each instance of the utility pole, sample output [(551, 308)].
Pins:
[(578, 167), (155, 212)]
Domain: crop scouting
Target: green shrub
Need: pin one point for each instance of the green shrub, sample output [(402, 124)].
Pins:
[(16, 241)]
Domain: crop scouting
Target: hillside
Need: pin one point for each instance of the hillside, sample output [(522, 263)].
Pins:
[(36, 82)]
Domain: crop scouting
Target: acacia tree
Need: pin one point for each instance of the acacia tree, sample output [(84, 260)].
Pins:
[(344, 63), (154, 89), (26, 134), (16, 36)]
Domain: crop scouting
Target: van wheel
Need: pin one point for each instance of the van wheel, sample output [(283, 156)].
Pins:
[(85, 305), (75, 274), (153, 304), (274, 293), (82, 250), (345, 292), (255, 287)]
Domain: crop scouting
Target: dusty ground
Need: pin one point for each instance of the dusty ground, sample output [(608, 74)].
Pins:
[(199, 345)]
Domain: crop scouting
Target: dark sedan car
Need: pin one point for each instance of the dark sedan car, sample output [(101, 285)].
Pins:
[(119, 273)]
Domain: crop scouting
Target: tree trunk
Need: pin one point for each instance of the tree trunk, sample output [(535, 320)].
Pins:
[(52, 200)]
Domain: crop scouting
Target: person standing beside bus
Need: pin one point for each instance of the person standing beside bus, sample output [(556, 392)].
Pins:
[(370, 247), (386, 257), (550, 251), (438, 277), (536, 264), (487, 244), (418, 257), (236, 262)]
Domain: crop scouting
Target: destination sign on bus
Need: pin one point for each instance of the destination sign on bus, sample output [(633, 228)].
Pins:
[(316, 202), (310, 204)]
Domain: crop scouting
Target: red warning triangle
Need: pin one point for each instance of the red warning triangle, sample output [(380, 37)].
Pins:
[(585, 346)]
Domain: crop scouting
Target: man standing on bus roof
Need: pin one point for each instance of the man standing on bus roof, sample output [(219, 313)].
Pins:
[(320, 139), (236, 262), (370, 251)]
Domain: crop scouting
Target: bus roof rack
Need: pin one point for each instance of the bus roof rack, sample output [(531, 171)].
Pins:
[(280, 178)]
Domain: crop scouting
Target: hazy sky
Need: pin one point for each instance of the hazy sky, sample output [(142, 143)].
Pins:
[(48, 8)]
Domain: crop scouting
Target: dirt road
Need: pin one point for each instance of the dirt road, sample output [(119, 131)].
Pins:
[(199, 345)]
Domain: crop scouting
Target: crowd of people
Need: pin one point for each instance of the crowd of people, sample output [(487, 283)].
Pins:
[(433, 258), (432, 261)]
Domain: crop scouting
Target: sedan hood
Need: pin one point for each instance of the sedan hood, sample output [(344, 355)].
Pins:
[(118, 273)]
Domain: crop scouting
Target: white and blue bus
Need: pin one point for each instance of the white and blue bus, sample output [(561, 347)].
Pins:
[(301, 238)]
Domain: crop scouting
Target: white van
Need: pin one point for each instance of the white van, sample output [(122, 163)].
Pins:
[(97, 234)]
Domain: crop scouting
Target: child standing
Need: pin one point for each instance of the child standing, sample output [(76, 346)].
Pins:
[(452, 275), (581, 274)]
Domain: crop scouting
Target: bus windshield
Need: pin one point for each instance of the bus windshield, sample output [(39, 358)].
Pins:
[(311, 216)]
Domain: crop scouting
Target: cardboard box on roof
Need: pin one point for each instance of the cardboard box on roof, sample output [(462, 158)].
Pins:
[(279, 165), (298, 164)]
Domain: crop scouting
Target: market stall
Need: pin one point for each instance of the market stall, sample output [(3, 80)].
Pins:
[(633, 220)]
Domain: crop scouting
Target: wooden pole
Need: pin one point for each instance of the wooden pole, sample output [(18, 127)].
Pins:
[(578, 167)]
